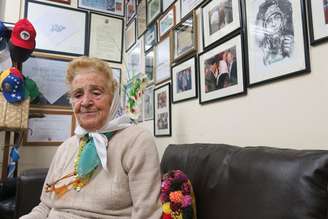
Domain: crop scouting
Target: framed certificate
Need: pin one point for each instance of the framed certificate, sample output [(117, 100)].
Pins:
[(115, 7), (59, 29), (105, 43), (49, 127), (49, 74)]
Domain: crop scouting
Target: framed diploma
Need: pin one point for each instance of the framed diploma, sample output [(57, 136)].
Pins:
[(59, 29), (130, 35), (163, 59), (49, 127), (49, 75), (187, 6), (105, 43), (115, 7)]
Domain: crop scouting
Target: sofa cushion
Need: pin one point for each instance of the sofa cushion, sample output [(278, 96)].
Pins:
[(233, 182)]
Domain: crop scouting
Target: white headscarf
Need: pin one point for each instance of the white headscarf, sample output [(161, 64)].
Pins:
[(116, 120)]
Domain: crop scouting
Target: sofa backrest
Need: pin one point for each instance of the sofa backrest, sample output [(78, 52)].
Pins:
[(232, 182)]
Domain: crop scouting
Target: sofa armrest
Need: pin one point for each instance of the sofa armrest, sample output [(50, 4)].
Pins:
[(7, 188)]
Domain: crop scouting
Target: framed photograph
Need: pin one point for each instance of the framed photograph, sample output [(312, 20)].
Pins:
[(115, 7), (186, 6), (59, 29), (184, 36), (166, 23), (162, 111), (150, 37), (148, 103), (130, 35), (184, 80), (49, 127), (219, 19), (49, 75), (163, 61), (318, 21), (166, 4), (62, 1), (141, 18), (153, 10), (117, 73), (150, 66), (276, 39), (134, 60), (221, 71), (105, 43), (131, 9)]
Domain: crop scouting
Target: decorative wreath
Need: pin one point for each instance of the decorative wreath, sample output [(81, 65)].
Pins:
[(177, 197)]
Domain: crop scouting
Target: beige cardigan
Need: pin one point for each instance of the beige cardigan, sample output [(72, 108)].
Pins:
[(129, 190)]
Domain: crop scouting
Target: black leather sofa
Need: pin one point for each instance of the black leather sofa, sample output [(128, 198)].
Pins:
[(232, 182), (19, 195)]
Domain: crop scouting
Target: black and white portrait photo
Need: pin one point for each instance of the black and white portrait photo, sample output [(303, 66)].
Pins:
[(277, 42)]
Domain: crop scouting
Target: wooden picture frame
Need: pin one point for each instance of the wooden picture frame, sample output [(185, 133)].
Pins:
[(163, 60), (68, 2), (130, 10), (154, 8), (130, 35), (166, 22), (113, 7), (141, 18), (49, 127)]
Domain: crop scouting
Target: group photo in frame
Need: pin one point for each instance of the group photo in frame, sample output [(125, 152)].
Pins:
[(163, 60), (184, 80), (130, 35), (318, 21), (150, 37), (184, 37), (220, 18), (51, 128), (49, 75), (162, 111), (277, 43), (60, 30), (153, 10), (114, 7), (222, 71), (148, 103), (150, 66), (166, 22), (141, 18), (105, 43)]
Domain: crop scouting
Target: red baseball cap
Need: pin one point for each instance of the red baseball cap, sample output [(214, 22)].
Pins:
[(23, 34)]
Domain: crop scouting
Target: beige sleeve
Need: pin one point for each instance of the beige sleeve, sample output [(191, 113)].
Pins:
[(143, 166)]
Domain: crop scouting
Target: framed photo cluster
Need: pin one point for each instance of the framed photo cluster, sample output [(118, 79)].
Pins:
[(74, 32), (162, 111)]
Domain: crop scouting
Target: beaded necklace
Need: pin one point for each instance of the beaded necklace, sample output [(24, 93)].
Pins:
[(85, 163)]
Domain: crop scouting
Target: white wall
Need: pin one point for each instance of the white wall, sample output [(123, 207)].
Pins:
[(287, 113)]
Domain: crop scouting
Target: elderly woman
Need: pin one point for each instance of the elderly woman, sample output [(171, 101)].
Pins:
[(109, 168)]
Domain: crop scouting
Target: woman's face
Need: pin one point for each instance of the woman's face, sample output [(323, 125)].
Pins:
[(274, 23), (91, 99)]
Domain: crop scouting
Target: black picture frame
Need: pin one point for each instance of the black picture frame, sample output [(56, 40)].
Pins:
[(166, 7), (157, 13), (110, 48), (162, 111), (184, 80), (133, 4), (150, 66), (318, 20), (273, 54), (219, 29), (57, 39), (193, 5), (221, 75)]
